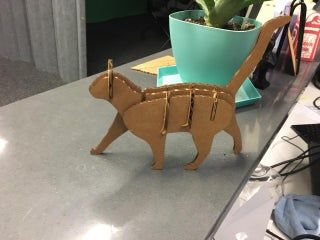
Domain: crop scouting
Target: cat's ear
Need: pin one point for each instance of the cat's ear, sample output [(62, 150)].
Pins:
[(110, 64), (110, 78)]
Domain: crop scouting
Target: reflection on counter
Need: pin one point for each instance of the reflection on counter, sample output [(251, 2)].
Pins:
[(3, 144), (100, 231)]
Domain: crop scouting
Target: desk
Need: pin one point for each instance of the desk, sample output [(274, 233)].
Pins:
[(256, 209), (52, 188), (302, 113)]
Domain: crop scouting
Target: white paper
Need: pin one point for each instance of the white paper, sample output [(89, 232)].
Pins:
[(249, 221)]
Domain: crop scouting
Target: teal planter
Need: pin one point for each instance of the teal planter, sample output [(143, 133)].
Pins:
[(207, 54)]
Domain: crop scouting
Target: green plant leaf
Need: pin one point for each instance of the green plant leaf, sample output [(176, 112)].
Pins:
[(219, 12), (206, 5)]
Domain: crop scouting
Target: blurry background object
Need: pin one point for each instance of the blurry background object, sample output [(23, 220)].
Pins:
[(311, 37), (50, 35)]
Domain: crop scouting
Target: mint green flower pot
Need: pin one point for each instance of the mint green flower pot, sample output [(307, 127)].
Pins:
[(206, 54)]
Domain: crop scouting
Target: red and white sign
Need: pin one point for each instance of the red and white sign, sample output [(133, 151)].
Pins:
[(311, 37)]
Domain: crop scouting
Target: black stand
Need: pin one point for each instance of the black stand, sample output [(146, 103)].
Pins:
[(315, 168), (268, 61)]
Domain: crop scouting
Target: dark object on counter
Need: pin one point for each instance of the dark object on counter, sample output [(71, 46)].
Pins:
[(302, 23), (317, 6), (315, 168), (307, 237), (310, 133), (316, 78), (258, 78), (316, 103), (267, 62)]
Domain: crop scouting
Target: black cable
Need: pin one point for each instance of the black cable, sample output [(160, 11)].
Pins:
[(274, 235), (266, 178), (285, 177), (288, 140), (306, 236), (315, 103), (289, 161), (295, 167), (297, 158), (302, 168), (294, 159)]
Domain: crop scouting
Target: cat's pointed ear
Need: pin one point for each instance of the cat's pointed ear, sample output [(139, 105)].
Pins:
[(110, 64), (110, 78)]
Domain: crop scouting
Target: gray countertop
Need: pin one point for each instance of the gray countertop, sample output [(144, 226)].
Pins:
[(52, 188)]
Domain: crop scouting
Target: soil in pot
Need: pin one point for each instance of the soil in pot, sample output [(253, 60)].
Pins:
[(229, 26)]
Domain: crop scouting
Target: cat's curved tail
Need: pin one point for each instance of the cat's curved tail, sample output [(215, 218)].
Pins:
[(257, 52)]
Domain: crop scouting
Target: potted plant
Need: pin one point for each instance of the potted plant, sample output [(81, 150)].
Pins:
[(210, 44)]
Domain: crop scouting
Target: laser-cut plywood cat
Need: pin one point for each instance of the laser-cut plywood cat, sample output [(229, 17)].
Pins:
[(201, 109)]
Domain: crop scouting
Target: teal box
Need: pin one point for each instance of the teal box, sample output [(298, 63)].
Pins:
[(246, 95)]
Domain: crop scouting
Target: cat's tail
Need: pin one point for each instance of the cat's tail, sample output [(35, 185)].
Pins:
[(257, 52)]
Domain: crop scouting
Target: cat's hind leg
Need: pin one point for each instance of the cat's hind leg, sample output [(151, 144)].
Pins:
[(234, 131), (203, 143), (157, 145)]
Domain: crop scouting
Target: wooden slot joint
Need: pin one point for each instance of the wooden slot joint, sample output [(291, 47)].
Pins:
[(214, 105), (190, 109), (166, 113), (110, 78)]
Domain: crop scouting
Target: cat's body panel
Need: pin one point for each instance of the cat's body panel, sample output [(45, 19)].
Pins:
[(208, 118), (173, 114)]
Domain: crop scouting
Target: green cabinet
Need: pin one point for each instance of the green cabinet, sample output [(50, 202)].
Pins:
[(103, 10)]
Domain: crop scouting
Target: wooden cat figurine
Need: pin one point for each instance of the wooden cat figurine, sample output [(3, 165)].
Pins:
[(201, 109)]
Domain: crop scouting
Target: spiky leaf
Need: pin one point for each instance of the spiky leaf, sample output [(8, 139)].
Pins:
[(219, 12)]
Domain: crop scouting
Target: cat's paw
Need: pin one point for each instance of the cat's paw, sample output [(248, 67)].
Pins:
[(191, 166), (237, 148), (156, 166), (95, 151)]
